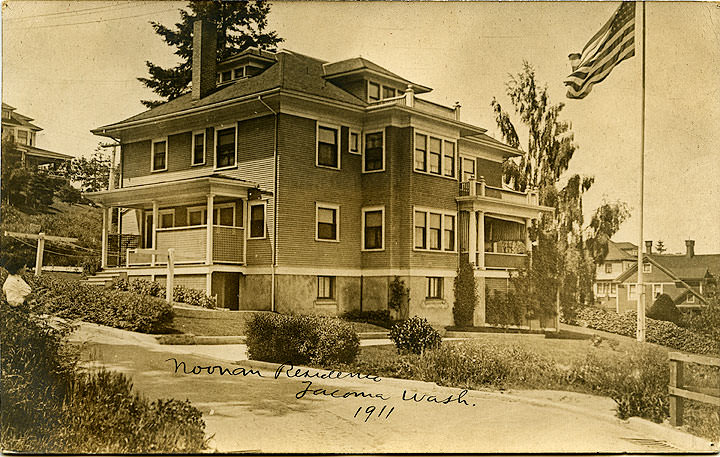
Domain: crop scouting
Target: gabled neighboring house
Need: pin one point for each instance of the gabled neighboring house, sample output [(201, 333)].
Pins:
[(683, 277), (17, 128), (292, 184)]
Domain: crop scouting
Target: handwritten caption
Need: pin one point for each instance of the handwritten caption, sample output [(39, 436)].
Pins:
[(307, 375)]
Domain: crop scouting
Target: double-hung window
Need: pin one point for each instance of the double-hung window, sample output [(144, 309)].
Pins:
[(437, 156), (388, 92), (468, 169), (657, 290), (374, 158), (327, 222), (434, 288), (632, 291), (159, 155), (608, 268), (354, 142), (373, 234), (198, 148), (22, 136), (257, 220), (225, 147), (326, 287), (373, 92), (434, 230), (328, 152)]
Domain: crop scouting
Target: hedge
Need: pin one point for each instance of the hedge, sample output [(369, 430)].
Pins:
[(114, 308), (299, 339), (181, 294), (659, 332)]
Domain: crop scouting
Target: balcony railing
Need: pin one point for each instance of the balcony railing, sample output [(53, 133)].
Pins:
[(474, 188), (506, 261), (419, 104), (190, 244)]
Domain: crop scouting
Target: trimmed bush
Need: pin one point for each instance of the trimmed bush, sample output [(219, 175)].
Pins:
[(414, 336), (124, 310), (300, 339), (637, 382), (659, 332), (664, 309), (465, 295), (181, 294)]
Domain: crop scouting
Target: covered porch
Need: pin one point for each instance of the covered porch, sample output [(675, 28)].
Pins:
[(203, 219)]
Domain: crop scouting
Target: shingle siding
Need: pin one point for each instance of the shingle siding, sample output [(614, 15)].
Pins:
[(492, 171), (135, 159)]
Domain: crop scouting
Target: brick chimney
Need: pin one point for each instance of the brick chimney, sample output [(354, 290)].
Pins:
[(204, 61), (690, 248), (648, 246)]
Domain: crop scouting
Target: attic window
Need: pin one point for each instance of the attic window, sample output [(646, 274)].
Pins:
[(647, 268), (239, 73)]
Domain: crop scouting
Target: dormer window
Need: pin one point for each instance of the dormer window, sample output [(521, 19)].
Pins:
[(226, 76), (373, 92), (388, 92), (377, 92), (239, 73)]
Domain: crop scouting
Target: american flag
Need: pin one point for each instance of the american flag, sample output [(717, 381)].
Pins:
[(612, 44)]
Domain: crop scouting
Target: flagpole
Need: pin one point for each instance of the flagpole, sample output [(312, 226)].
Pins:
[(640, 284)]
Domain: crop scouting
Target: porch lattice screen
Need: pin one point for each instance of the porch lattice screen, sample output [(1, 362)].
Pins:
[(228, 244), (118, 246)]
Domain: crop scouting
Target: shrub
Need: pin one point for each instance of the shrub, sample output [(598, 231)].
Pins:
[(181, 293), (300, 339), (114, 308), (399, 296), (638, 382), (664, 309), (379, 317), (659, 332), (465, 295), (414, 336), (501, 309)]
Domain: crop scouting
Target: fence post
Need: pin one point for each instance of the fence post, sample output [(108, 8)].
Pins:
[(676, 402)]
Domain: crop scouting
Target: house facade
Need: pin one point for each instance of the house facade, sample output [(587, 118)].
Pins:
[(291, 184), (19, 129), (686, 278)]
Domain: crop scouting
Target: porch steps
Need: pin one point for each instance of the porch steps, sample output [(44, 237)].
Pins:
[(102, 278)]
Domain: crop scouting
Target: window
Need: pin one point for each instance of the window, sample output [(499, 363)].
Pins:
[(449, 159), (225, 150), (226, 76), (373, 92), (608, 268), (437, 156), (223, 214), (449, 231), (468, 169), (373, 229), (434, 230), (613, 290), (690, 298), (632, 291), (22, 136), (354, 142), (326, 287), (657, 290), (420, 229), (159, 155), (198, 151), (435, 288), (374, 159), (326, 216), (196, 216), (327, 147), (239, 72), (257, 220), (435, 148), (167, 218), (388, 92), (420, 152), (601, 289), (647, 268)]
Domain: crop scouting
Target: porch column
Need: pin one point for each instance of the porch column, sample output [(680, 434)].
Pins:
[(481, 239), (154, 231), (104, 239), (472, 238), (210, 223), (528, 243)]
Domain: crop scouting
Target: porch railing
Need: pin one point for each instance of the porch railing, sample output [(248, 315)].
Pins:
[(475, 188), (507, 261)]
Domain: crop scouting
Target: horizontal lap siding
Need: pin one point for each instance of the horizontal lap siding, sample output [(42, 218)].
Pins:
[(302, 184)]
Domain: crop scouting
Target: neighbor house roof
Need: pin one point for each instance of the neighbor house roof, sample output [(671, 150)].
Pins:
[(615, 252), (38, 152), (690, 268)]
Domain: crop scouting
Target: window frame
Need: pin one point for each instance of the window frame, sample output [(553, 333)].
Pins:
[(318, 126), (249, 219), (216, 131), (372, 83), (152, 154), (332, 206), (165, 212), (359, 133), (443, 139), (192, 148), (440, 289), (443, 213), (332, 282), (613, 290), (370, 209), (630, 294), (647, 267), (462, 159), (608, 267), (662, 290), (216, 206), (364, 147), (690, 298)]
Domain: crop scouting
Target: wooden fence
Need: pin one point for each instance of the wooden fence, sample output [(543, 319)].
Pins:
[(678, 392)]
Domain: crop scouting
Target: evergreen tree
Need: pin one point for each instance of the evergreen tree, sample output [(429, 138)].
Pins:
[(660, 247), (240, 25)]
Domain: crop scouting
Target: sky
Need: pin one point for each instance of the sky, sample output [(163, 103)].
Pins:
[(72, 66)]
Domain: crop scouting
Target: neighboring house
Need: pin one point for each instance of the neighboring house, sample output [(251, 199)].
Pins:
[(683, 277), (320, 182), (18, 129)]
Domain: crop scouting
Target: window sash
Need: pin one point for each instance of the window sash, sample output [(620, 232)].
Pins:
[(159, 155), (198, 148), (225, 148), (468, 169), (326, 287), (449, 155), (608, 268), (354, 142), (435, 231), (434, 287), (388, 92), (435, 154), (374, 151), (373, 229), (196, 217), (167, 220), (224, 216), (257, 221), (373, 91), (327, 224), (420, 152), (449, 228), (420, 229)]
